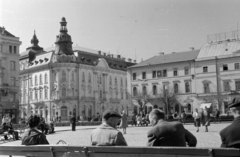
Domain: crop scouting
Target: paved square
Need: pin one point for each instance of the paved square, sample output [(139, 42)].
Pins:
[(136, 136)]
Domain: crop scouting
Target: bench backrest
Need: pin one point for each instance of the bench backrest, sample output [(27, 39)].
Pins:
[(103, 151)]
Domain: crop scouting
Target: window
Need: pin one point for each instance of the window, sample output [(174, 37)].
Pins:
[(121, 82), (100, 94), (10, 48), (100, 79), (187, 87), (135, 93), (15, 49), (134, 76), (46, 93), (186, 71), (206, 88), (144, 90), (159, 73), (46, 79), (205, 69), (236, 65), (237, 84), (143, 75), (13, 65), (36, 80), (64, 92), (154, 90), (226, 86), (110, 80), (40, 79), (89, 78), (31, 82), (64, 76), (165, 89), (154, 74), (165, 73), (36, 94), (121, 94), (72, 75), (115, 80), (40, 95), (126, 95), (175, 88), (175, 72), (12, 81), (31, 95), (225, 67)]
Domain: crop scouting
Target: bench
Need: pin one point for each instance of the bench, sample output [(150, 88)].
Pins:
[(103, 151)]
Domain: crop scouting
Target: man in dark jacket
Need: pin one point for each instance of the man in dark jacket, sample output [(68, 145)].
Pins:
[(230, 135), (32, 136), (107, 134), (73, 122), (166, 133)]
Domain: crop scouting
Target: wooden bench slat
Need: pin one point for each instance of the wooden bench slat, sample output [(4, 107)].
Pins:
[(138, 155)]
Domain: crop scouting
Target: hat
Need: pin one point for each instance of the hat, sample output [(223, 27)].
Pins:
[(234, 103), (107, 114)]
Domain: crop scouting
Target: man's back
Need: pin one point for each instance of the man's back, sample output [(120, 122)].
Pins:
[(106, 135), (170, 134), (230, 135)]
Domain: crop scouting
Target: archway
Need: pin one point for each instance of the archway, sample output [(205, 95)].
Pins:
[(177, 108), (64, 113), (189, 108), (84, 112), (90, 111)]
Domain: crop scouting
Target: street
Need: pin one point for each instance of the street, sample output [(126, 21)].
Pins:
[(136, 136)]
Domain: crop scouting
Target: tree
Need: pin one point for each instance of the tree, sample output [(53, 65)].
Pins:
[(142, 100)]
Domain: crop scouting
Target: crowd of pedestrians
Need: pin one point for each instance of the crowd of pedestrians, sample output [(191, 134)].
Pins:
[(163, 133)]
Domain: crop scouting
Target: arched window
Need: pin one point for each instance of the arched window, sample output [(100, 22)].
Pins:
[(64, 76), (144, 90), (89, 78), (187, 87), (83, 77), (175, 88), (72, 75), (36, 80), (135, 91), (46, 79), (154, 90), (100, 79), (64, 92), (189, 107), (40, 79), (40, 96), (36, 94)]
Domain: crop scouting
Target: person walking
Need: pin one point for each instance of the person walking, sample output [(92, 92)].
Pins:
[(124, 122), (217, 116), (196, 117), (164, 133), (73, 122), (33, 136), (107, 134), (134, 119), (205, 118), (230, 135)]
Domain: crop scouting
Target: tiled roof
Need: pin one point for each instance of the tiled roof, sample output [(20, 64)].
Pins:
[(169, 58), (6, 33), (219, 48)]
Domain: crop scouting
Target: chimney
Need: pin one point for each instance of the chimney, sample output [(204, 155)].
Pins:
[(3, 30), (104, 54), (134, 61), (161, 53), (129, 60), (191, 48), (119, 56), (99, 52)]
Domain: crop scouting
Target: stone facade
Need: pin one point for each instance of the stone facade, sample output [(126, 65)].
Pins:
[(9, 72), (63, 81)]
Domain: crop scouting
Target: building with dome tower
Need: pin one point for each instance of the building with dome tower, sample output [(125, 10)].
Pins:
[(62, 81)]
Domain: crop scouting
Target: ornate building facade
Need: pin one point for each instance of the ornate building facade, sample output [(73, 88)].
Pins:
[(9, 72), (62, 81)]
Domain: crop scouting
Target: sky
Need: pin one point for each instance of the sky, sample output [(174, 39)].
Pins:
[(136, 29)]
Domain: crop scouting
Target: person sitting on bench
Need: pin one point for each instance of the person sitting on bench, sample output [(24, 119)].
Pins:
[(33, 136), (107, 134), (8, 129), (166, 133)]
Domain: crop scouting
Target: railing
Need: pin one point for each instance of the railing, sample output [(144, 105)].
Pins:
[(114, 151)]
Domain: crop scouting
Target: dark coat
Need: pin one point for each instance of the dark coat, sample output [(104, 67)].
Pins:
[(205, 118), (106, 135), (34, 137), (170, 134), (73, 120), (230, 135)]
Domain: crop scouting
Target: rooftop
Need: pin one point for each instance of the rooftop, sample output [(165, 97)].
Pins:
[(169, 58), (4, 32)]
